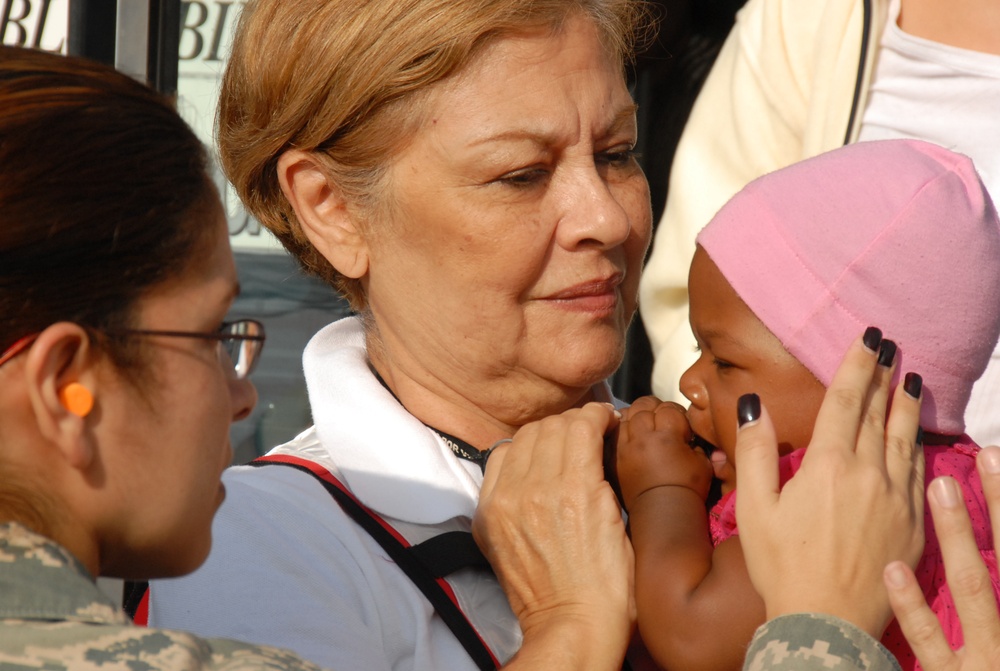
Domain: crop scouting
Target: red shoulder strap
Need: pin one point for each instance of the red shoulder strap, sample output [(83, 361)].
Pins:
[(141, 616), (436, 589)]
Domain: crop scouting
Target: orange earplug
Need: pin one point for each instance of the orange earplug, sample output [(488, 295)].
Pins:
[(77, 399)]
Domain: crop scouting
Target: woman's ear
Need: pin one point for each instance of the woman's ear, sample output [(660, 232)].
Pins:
[(62, 387), (323, 212)]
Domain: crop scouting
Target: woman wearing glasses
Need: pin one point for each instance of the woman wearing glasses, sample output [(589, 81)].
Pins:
[(118, 377)]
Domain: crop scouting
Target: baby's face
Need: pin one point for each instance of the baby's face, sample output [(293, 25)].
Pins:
[(739, 355)]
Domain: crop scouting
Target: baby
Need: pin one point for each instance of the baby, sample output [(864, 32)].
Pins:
[(899, 234)]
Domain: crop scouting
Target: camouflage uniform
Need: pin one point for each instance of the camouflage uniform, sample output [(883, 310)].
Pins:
[(811, 642), (54, 618)]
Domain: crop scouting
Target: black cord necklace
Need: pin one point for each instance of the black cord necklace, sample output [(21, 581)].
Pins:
[(461, 448)]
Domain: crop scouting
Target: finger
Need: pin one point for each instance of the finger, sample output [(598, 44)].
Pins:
[(642, 421), (494, 466), (918, 622), (840, 413), (901, 438), (871, 435), (988, 464), (510, 461), (574, 440), (641, 404), (968, 578), (756, 460), (672, 417)]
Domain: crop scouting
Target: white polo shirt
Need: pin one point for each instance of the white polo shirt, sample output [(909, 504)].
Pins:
[(288, 567)]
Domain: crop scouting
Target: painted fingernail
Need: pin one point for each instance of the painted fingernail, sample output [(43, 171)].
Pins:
[(748, 409), (990, 458), (920, 436), (912, 384), (886, 353), (872, 339), (945, 491)]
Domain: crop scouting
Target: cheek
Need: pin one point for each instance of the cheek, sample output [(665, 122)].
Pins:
[(794, 415), (636, 204), (723, 408), (203, 421)]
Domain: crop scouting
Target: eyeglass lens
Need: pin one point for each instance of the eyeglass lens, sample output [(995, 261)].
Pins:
[(243, 354)]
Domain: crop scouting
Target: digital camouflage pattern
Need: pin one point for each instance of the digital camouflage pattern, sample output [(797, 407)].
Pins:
[(53, 617), (811, 642)]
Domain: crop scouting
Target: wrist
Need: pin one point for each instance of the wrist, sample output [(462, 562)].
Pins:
[(572, 641), (667, 489)]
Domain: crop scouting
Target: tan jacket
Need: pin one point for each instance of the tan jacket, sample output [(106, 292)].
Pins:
[(789, 83)]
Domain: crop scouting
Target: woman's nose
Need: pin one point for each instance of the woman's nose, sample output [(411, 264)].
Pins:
[(243, 398), (595, 214)]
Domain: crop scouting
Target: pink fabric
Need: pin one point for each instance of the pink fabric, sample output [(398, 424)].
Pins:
[(958, 461), (898, 234)]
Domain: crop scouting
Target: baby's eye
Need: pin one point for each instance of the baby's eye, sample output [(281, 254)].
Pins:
[(721, 364)]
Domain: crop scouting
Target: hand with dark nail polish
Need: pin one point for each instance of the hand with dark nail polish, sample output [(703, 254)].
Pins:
[(872, 338), (748, 409), (887, 353), (913, 384)]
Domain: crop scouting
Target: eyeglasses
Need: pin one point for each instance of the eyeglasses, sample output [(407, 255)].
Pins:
[(241, 341)]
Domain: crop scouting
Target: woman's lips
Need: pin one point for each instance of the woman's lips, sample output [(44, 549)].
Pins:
[(597, 296)]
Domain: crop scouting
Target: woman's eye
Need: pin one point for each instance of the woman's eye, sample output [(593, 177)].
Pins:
[(618, 157), (524, 178)]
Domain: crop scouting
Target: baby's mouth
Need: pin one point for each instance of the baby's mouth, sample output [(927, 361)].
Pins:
[(707, 447)]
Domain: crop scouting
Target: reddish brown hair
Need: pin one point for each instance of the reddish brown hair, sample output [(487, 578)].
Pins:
[(100, 182)]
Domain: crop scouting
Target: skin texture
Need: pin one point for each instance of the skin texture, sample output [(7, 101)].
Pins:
[(522, 182), (665, 483), (862, 475), (967, 24), (738, 355), (505, 273), (541, 494), (174, 439), (133, 486)]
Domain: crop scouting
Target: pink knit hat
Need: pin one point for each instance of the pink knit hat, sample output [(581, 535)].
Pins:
[(898, 234)]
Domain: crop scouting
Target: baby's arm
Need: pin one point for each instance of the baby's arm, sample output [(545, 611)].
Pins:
[(697, 608)]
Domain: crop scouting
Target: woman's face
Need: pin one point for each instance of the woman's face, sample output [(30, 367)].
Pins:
[(169, 439), (739, 355), (508, 272)]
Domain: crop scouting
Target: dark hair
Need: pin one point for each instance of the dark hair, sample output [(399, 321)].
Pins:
[(100, 182)]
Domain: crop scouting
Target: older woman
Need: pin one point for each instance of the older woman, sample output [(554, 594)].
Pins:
[(118, 376), (463, 173)]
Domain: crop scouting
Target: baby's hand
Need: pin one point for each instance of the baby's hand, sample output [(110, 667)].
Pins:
[(654, 450)]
